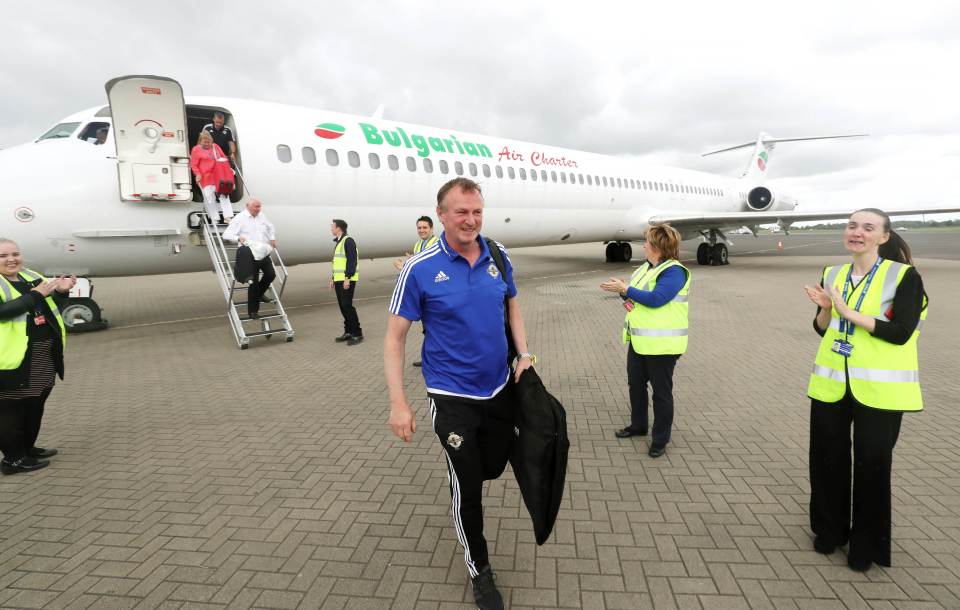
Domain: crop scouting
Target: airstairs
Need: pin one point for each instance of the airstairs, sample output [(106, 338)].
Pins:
[(273, 319)]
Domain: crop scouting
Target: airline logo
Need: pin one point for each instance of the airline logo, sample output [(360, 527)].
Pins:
[(329, 131), (441, 277), (424, 144), (762, 160)]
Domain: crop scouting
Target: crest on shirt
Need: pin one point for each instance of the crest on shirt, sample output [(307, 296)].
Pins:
[(454, 440), (492, 270)]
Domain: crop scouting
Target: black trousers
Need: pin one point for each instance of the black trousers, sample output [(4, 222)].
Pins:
[(257, 289), (351, 323), (875, 433), (476, 436), (20, 424), (658, 372)]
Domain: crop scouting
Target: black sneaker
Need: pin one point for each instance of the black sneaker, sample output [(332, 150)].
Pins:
[(266, 299), (657, 450), (485, 592), (24, 464), (40, 452), (355, 340), (343, 337)]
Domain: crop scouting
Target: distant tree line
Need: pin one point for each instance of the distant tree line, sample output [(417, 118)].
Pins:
[(910, 224)]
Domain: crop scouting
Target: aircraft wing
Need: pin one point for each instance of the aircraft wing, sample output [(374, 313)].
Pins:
[(721, 220)]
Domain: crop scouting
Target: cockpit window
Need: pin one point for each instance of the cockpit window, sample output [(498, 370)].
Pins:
[(95, 133), (63, 130)]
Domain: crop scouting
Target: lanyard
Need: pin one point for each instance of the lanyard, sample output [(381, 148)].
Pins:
[(849, 284)]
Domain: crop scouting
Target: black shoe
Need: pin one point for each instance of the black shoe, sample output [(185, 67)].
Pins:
[(254, 316), (24, 464), (343, 337), (628, 432), (266, 299), (417, 363), (858, 564), (485, 592), (657, 450), (355, 340), (823, 547), (40, 452)]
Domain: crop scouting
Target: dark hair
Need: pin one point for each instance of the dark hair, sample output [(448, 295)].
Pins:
[(666, 239), (427, 220), (895, 248), (219, 114), (341, 223), (464, 184)]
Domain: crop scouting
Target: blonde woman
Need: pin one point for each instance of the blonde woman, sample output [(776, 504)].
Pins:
[(656, 330), (204, 160)]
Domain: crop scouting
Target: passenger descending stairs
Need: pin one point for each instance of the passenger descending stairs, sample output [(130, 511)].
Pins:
[(273, 319)]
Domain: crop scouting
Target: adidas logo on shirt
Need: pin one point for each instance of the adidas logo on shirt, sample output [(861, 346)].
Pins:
[(441, 277)]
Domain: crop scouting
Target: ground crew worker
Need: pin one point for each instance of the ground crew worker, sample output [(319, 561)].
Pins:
[(456, 289), (32, 340), (344, 281), (427, 239), (866, 374), (656, 329)]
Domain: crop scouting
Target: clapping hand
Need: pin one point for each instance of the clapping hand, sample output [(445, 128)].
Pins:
[(614, 284), (819, 296), (64, 283), (843, 310)]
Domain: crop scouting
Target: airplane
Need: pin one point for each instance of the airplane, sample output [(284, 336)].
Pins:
[(130, 206)]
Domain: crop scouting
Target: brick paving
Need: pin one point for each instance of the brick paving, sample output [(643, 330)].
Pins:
[(194, 475)]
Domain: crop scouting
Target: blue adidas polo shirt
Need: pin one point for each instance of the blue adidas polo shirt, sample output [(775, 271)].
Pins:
[(465, 348)]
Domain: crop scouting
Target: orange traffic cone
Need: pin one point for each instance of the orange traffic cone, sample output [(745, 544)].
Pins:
[(779, 244)]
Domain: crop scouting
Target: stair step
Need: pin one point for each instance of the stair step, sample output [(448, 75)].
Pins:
[(261, 333)]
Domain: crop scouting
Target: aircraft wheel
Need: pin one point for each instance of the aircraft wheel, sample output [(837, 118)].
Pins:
[(82, 314), (626, 252), (703, 254), (719, 254), (613, 252)]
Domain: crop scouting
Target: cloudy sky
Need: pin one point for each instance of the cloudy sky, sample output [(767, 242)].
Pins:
[(658, 83)]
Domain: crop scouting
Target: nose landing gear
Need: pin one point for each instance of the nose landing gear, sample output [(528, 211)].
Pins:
[(619, 252)]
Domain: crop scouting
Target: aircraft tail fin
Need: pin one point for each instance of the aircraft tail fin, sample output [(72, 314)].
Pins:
[(763, 148)]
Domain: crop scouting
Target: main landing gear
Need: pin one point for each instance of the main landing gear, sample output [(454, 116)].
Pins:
[(619, 252), (81, 313), (714, 250)]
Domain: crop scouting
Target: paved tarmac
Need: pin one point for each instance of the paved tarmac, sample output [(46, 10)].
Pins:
[(196, 475)]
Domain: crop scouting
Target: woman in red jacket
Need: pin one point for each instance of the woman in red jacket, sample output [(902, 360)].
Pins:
[(209, 164)]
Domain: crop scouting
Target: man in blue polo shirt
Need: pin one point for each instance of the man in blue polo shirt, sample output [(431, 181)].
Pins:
[(456, 290)]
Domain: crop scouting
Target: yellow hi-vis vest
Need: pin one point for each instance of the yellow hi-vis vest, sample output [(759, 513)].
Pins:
[(13, 332), (340, 261), (655, 331), (423, 244), (881, 375)]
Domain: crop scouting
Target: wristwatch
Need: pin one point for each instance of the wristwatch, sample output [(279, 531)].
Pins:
[(522, 355)]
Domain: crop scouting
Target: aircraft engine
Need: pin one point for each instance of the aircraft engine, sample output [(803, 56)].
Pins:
[(760, 199)]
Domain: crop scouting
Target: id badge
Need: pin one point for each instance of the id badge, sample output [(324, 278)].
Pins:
[(39, 319), (628, 305), (844, 348)]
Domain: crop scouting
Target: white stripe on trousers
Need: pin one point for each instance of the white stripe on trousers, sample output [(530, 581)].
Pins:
[(455, 499)]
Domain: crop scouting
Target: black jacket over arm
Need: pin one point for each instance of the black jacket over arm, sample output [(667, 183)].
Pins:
[(28, 303)]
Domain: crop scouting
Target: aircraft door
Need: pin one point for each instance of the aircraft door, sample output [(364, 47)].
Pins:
[(150, 130)]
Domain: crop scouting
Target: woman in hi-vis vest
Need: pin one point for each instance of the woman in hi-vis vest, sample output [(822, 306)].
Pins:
[(656, 331), (32, 339), (869, 314)]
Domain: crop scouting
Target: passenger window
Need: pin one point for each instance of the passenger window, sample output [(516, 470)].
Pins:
[(523, 173), (553, 176), (428, 166), (619, 184), (486, 170), (473, 169), (633, 185), (353, 158), (589, 180), (333, 158), (283, 153), (374, 160), (392, 162), (543, 175), (580, 178), (511, 173), (533, 175), (604, 181), (563, 178), (458, 167), (411, 164), (444, 167), (309, 155), (499, 171)]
